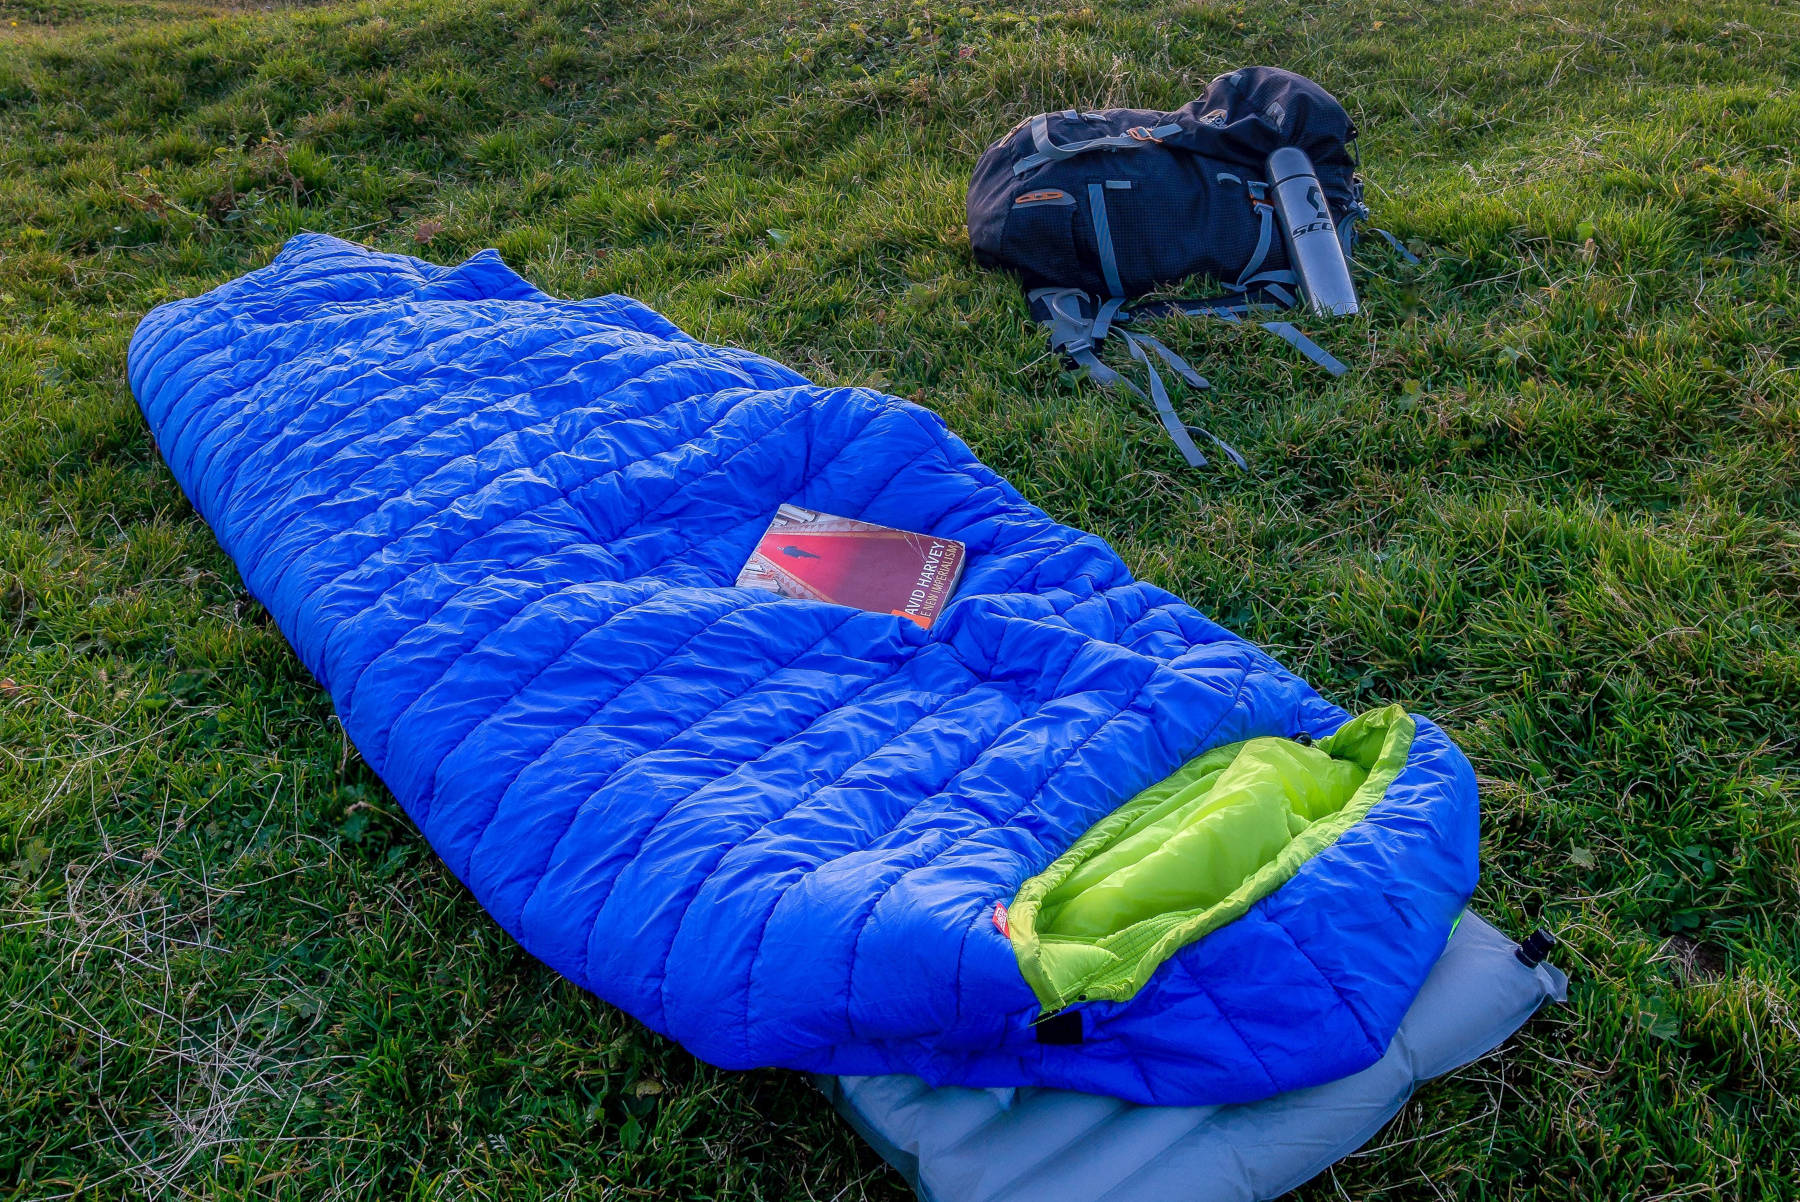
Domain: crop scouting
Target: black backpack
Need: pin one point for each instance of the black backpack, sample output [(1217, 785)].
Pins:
[(1092, 209)]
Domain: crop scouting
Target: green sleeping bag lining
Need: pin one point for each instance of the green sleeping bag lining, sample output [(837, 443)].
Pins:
[(1193, 852)]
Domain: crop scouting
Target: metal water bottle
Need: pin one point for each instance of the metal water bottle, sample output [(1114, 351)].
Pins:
[(1310, 234)]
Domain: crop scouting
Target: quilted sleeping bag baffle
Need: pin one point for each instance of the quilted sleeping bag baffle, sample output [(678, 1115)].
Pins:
[(1073, 835)]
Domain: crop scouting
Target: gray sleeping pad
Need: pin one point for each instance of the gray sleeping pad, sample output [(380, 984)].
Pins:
[(1046, 1145)]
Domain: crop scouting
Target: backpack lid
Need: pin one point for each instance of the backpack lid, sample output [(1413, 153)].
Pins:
[(1246, 115)]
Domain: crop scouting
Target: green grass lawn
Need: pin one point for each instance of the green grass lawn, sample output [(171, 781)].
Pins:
[(1554, 504)]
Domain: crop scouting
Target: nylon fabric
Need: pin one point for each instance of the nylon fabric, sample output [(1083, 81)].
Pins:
[(1193, 852), (1165, 409), (1179, 365), (1399, 246), (1188, 209), (1075, 336), (502, 531), (1265, 235), (1290, 334), (1109, 262)]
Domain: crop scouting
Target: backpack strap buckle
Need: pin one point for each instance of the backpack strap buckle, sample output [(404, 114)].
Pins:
[(1143, 133), (1255, 190)]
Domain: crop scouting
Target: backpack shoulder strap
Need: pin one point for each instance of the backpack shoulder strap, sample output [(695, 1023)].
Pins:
[(1075, 335), (1165, 411)]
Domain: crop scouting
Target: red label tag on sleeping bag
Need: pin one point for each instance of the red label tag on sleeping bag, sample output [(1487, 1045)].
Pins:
[(1000, 919)]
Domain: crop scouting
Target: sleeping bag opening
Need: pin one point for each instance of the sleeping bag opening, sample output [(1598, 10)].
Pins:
[(1193, 852)]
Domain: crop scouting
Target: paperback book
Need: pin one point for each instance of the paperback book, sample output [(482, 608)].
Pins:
[(821, 557)]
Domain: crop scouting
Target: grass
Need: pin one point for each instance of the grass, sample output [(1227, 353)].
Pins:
[(1555, 503)]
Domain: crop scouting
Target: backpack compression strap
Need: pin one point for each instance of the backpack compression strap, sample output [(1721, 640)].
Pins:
[(1279, 284), (1047, 150), (1396, 244), (1235, 308), (1074, 335)]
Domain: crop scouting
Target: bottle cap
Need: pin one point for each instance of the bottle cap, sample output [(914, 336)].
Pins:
[(1287, 162)]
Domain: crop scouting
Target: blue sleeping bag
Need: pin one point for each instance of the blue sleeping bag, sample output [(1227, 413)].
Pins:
[(1073, 835)]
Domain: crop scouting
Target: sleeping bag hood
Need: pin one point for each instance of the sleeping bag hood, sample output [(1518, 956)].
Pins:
[(1074, 834)]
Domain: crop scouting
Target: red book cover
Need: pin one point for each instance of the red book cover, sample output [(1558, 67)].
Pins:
[(820, 557)]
